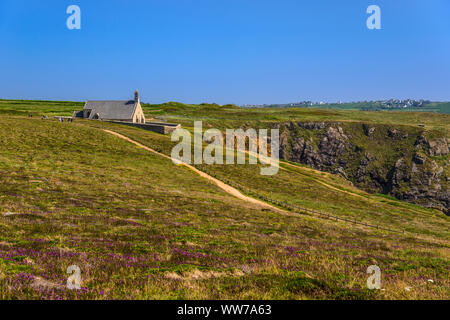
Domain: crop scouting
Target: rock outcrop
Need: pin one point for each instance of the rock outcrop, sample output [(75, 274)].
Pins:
[(401, 162)]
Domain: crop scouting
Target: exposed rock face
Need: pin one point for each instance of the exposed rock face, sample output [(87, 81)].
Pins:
[(376, 158), (304, 151), (331, 146), (419, 158), (425, 185), (312, 125), (437, 147)]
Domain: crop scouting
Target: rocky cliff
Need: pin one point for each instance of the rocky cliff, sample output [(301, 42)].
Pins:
[(406, 162)]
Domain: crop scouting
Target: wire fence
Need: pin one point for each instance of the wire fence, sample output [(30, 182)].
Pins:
[(292, 207)]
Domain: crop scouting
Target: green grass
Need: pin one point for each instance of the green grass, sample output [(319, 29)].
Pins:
[(38, 108), (306, 188), (230, 116), (438, 107), (141, 227)]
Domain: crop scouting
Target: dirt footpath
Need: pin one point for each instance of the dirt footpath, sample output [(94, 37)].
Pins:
[(227, 188)]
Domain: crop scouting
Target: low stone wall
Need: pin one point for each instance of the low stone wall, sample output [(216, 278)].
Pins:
[(159, 127)]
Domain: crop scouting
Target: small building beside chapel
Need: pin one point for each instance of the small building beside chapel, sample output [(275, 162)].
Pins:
[(113, 110)]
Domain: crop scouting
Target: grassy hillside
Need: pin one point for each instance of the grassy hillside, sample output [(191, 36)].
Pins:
[(232, 116), (383, 148), (37, 108), (439, 107), (140, 227), (299, 185)]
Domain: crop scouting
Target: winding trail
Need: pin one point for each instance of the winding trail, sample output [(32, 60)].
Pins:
[(227, 188)]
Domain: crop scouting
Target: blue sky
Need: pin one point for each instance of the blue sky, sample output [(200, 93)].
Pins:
[(225, 51)]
